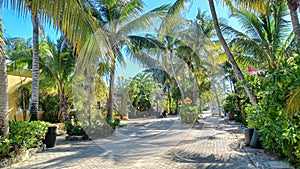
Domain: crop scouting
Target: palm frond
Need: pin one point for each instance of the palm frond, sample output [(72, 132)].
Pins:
[(293, 101), (2, 44), (143, 22), (173, 14), (72, 17)]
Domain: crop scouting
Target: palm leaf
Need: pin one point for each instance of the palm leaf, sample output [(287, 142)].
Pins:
[(173, 14), (72, 17), (143, 22), (293, 101)]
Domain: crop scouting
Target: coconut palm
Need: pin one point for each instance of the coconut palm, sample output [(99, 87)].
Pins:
[(4, 131), (264, 39), (118, 19), (231, 59), (64, 15), (261, 5), (34, 102), (3, 90)]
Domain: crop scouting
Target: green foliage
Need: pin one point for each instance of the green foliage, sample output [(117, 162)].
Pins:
[(278, 132), (230, 103), (114, 123), (188, 113), (140, 91), (4, 145), (50, 105), (73, 128), (99, 127), (27, 134)]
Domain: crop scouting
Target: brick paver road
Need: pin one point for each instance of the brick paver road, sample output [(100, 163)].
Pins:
[(153, 144)]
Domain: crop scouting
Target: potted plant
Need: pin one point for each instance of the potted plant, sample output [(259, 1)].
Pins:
[(230, 106), (50, 138)]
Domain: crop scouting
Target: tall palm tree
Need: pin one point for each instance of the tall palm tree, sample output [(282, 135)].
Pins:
[(34, 102), (231, 59), (56, 64), (118, 19), (3, 96), (4, 131), (64, 15)]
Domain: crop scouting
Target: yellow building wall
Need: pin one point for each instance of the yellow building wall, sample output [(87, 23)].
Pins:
[(14, 82)]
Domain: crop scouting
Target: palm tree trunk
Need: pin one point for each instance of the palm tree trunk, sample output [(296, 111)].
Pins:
[(4, 127), (169, 101), (34, 104), (111, 90), (64, 105), (233, 63), (293, 6), (217, 97)]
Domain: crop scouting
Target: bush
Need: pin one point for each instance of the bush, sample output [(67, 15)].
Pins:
[(74, 128), (278, 132), (4, 145), (50, 106), (114, 123), (27, 134), (188, 113)]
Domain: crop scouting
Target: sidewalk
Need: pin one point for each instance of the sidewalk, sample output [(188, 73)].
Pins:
[(219, 143)]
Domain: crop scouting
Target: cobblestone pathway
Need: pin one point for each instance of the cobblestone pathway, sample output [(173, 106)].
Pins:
[(165, 144)]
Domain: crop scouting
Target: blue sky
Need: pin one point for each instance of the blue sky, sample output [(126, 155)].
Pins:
[(21, 27)]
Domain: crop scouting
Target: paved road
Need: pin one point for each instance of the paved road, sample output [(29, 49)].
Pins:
[(152, 144)]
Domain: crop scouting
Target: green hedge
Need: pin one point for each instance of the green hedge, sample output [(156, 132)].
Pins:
[(278, 132), (23, 135)]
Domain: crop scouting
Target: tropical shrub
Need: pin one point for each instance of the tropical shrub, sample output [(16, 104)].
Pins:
[(50, 105), (74, 127), (188, 113), (95, 127), (114, 123), (278, 132), (27, 134), (5, 144)]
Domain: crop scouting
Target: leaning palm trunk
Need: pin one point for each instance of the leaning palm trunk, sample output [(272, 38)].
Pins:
[(233, 63), (34, 104), (293, 6)]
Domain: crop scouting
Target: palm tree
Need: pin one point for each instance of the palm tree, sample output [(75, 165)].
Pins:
[(118, 19), (262, 5), (3, 96), (34, 102), (261, 44), (231, 59), (167, 84), (65, 16), (4, 131), (57, 65)]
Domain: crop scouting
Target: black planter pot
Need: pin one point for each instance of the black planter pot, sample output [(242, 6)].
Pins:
[(254, 143), (248, 135), (50, 139)]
